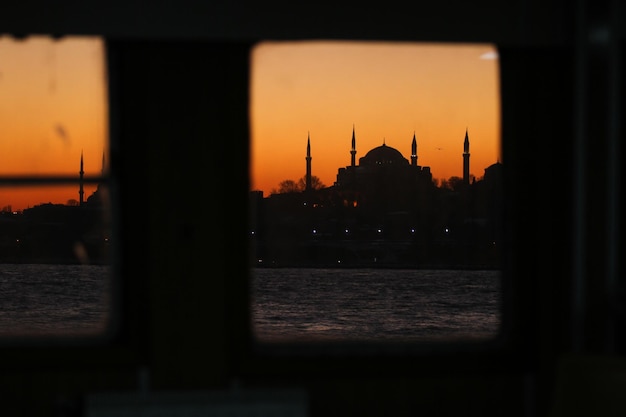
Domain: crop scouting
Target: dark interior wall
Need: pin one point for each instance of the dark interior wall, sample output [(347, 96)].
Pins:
[(512, 22), (183, 113)]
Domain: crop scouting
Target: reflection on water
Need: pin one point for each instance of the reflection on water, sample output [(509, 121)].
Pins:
[(292, 304), (42, 300)]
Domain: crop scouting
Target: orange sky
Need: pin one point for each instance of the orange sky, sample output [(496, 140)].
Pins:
[(52, 106), (388, 91)]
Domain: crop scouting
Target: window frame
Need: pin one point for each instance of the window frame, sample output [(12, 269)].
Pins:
[(516, 347)]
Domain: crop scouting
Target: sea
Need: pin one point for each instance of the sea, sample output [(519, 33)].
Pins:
[(54, 300), (288, 304), (335, 304)]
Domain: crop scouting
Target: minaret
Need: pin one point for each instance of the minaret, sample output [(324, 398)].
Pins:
[(353, 150), (308, 163), (414, 151), (81, 173), (466, 156)]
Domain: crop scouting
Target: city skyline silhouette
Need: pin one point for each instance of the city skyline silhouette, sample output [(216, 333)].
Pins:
[(383, 211), (384, 154), (75, 232), (82, 184)]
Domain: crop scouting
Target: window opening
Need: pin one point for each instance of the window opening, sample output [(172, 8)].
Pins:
[(376, 192), (55, 207)]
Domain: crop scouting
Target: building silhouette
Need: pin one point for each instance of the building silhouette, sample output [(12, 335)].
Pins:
[(308, 164), (59, 233), (466, 160), (81, 173), (384, 211)]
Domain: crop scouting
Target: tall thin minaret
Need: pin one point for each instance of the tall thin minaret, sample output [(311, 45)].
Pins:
[(414, 151), (466, 157), (353, 150), (308, 163), (81, 192)]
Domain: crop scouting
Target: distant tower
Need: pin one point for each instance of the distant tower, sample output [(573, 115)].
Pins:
[(81, 173), (308, 163), (466, 156), (353, 150), (414, 151)]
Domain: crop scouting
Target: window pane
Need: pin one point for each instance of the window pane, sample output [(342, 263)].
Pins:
[(376, 191), (53, 105), (55, 208)]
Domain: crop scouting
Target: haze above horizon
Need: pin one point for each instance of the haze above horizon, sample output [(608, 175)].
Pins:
[(54, 107), (386, 91)]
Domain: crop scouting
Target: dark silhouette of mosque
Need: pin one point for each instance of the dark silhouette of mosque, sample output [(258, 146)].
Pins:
[(384, 211), (77, 232)]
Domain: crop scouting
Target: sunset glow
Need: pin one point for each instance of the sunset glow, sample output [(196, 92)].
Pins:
[(53, 107), (387, 92)]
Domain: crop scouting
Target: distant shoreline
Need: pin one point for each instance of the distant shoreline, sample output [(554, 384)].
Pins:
[(381, 266)]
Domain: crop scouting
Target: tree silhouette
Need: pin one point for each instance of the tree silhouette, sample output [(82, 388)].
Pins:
[(453, 183), (287, 186), (316, 184), (291, 186)]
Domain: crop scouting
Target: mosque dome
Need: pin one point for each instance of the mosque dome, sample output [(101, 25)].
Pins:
[(383, 155)]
